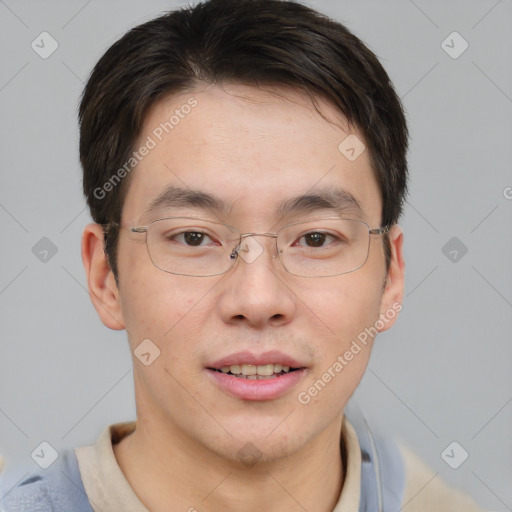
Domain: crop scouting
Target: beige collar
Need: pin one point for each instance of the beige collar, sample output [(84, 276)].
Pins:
[(109, 491)]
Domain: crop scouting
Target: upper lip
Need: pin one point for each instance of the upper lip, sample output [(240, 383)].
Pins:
[(270, 357)]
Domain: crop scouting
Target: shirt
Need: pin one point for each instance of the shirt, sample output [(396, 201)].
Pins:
[(109, 491)]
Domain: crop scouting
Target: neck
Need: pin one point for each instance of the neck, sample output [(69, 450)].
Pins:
[(166, 468)]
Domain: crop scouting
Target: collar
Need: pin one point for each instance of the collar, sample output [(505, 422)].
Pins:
[(109, 491)]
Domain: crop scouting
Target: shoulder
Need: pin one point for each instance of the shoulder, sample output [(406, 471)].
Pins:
[(395, 478), (426, 490), (58, 488)]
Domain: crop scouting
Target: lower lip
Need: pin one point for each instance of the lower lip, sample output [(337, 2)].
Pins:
[(256, 389)]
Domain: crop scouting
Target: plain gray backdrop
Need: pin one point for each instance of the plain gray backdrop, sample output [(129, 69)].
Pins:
[(442, 374)]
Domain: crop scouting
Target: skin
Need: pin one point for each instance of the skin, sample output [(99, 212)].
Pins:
[(251, 149)]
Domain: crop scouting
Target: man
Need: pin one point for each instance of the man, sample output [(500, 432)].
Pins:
[(245, 166)]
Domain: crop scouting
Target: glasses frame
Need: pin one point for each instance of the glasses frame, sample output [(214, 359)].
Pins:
[(234, 255)]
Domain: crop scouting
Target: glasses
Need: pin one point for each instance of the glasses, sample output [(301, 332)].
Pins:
[(323, 247)]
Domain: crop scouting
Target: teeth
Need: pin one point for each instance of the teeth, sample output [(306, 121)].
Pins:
[(251, 371), (256, 377), (266, 369)]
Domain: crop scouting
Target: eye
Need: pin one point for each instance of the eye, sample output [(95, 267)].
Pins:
[(316, 239), (191, 238)]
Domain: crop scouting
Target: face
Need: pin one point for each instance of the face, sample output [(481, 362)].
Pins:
[(253, 152)]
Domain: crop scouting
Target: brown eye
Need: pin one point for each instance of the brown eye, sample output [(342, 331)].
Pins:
[(193, 238), (315, 239)]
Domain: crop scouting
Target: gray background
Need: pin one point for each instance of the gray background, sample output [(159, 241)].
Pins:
[(442, 374)]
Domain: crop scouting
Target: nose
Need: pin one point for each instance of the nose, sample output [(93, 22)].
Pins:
[(255, 292)]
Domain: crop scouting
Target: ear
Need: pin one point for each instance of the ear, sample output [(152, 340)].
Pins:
[(391, 302), (103, 289)]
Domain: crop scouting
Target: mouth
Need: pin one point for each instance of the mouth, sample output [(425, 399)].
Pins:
[(253, 377), (256, 372)]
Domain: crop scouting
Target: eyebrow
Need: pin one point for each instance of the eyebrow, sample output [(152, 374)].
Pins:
[(338, 200), (176, 197)]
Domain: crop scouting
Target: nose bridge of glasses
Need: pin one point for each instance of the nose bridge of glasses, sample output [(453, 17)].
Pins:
[(246, 235), (248, 248)]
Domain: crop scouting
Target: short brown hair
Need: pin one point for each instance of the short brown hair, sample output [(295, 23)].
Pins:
[(252, 42)]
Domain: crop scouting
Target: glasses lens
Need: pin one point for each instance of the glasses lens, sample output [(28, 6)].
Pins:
[(322, 248), (190, 246), (197, 247)]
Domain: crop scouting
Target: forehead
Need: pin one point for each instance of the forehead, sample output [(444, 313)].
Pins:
[(250, 148)]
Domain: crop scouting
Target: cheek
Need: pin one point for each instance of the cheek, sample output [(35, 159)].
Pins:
[(343, 306), (348, 308), (153, 302), (160, 306)]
